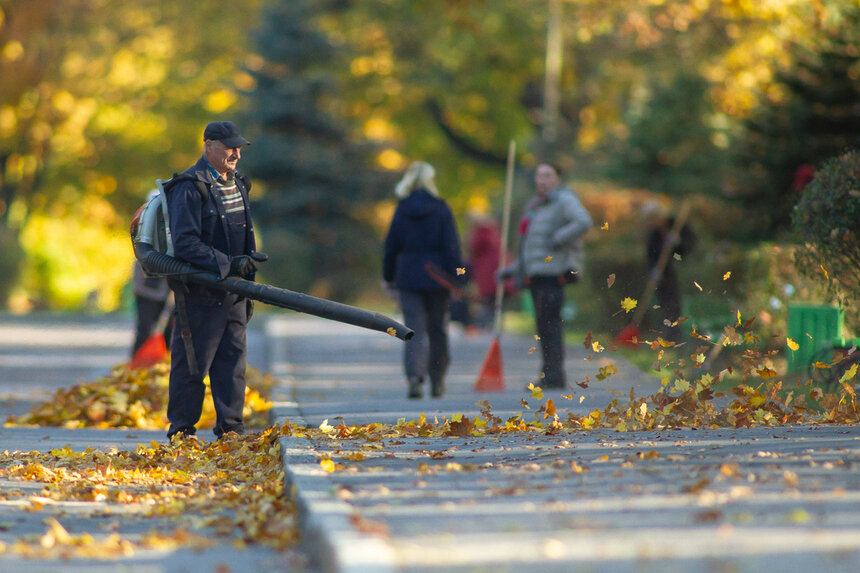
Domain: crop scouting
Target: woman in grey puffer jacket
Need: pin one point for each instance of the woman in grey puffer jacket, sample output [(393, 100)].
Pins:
[(551, 256)]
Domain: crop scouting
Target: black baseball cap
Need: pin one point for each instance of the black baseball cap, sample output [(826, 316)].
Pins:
[(226, 132)]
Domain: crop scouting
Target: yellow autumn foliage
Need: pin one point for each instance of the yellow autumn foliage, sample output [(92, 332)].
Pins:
[(137, 399)]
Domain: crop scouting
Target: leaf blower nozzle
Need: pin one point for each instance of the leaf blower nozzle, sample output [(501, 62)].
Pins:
[(157, 263)]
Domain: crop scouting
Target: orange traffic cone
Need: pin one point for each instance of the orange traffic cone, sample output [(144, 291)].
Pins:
[(150, 353), (491, 378)]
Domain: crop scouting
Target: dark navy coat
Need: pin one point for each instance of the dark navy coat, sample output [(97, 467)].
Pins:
[(422, 231), (200, 231)]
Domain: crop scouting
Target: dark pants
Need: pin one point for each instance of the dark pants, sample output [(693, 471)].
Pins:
[(148, 313), (218, 334), (426, 353), (669, 299), (548, 296)]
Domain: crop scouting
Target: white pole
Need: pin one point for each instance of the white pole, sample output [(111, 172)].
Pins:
[(552, 79), (503, 244)]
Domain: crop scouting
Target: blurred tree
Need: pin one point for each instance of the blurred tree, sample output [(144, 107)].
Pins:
[(319, 186), (808, 114), (107, 96), (453, 82), (826, 229), (670, 145)]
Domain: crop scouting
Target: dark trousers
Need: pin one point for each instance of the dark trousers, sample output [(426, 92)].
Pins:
[(548, 296), (669, 299), (426, 353), (218, 336), (148, 313)]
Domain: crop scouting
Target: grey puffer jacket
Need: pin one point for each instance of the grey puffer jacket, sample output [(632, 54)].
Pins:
[(552, 244)]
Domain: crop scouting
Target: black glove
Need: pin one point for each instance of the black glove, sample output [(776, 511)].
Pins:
[(242, 266), (259, 257)]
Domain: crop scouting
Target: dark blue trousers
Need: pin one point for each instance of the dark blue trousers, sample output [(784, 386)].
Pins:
[(217, 328), (427, 352), (548, 297)]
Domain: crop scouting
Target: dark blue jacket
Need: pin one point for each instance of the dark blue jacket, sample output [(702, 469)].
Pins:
[(422, 231), (199, 229)]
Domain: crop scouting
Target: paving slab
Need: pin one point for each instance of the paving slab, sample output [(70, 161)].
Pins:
[(784, 498)]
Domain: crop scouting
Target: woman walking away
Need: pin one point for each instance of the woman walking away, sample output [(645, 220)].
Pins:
[(422, 231)]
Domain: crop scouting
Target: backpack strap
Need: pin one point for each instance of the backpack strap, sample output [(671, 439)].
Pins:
[(179, 289), (180, 177)]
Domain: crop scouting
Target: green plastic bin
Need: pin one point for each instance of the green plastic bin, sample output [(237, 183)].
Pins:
[(813, 327)]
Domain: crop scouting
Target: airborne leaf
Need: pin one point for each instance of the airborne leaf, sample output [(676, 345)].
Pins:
[(628, 304), (849, 374)]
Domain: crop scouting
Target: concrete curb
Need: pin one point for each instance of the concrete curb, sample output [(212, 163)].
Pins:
[(324, 520)]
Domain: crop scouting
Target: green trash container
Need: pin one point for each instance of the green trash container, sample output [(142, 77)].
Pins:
[(813, 327), (527, 305)]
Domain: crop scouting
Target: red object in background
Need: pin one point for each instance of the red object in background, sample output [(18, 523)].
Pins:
[(484, 241), (524, 225), (150, 353), (802, 176), (629, 336)]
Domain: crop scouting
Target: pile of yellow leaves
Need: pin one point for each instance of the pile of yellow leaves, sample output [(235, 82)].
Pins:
[(137, 399), (231, 488)]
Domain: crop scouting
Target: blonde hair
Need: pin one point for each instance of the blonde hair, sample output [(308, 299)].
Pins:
[(418, 175)]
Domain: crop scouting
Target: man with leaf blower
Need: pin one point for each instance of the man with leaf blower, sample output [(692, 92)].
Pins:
[(210, 225)]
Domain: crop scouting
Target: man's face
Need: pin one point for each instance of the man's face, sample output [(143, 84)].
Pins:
[(222, 158), (546, 179)]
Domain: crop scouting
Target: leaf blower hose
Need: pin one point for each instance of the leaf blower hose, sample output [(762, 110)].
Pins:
[(161, 264)]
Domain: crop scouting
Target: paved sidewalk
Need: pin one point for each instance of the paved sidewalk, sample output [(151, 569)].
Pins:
[(784, 499), (42, 353)]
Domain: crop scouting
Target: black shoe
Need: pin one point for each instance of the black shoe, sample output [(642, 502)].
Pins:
[(414, 388), (437, 388), (181, 433)]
